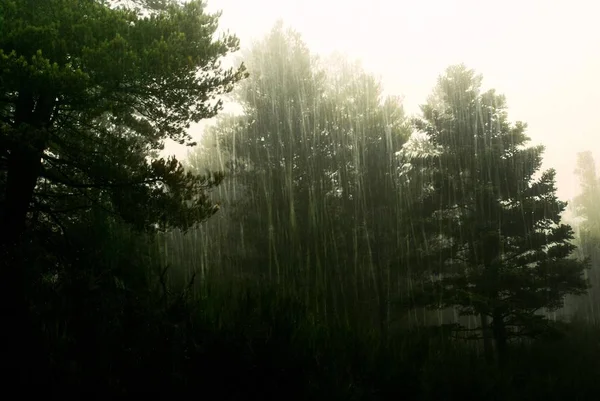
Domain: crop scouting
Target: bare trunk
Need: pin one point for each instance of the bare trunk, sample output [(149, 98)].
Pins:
[(383, 303), (500, 337), (487, 339), (28, 143), (19, 191), (23, 172), (29, 140)]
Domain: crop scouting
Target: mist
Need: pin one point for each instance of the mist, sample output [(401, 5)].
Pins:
[(540, 54), (300, 200)]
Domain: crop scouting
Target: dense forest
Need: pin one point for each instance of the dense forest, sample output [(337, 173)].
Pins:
[(320, 244)]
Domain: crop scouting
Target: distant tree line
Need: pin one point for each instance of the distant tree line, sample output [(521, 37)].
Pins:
[(328, 193)]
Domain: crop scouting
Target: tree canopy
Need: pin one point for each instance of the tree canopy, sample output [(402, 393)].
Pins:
[(313, 168), (497, 245), (340, 235), (90, 94)]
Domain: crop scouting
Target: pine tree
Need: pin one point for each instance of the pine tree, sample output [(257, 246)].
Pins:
[(88, 96), (585, 208), (586, 203), (314, 155), (496, 244)]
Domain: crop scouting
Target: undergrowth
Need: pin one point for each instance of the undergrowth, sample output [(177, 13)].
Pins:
[(112, 325)]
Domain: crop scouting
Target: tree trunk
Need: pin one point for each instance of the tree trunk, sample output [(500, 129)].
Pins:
[(383, 305), (29, 140), (23, 172), (19, 334), (487, 339), (500, 337), (27, 144)]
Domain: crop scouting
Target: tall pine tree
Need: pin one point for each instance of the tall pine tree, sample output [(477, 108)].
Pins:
[(497, 247), (585, 208), (315, 156)]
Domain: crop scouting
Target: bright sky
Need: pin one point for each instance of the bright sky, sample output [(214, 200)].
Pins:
[(544, 55)]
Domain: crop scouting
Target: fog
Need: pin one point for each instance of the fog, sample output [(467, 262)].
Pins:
[(378, 212), (543, 55)]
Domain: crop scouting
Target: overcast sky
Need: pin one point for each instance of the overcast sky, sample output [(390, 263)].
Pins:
[(544, 55)]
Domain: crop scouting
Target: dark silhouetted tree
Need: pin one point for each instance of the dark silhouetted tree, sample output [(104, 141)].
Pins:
[(496, 243), (314, 155), (88, 96)]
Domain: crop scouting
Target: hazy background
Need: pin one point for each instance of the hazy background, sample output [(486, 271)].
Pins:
[(544, 55)]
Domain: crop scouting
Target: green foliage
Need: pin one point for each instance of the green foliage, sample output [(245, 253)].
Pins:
[(328, 214), (94, 92), (585, 208), (496, 244), (312, 198), (585, 204), (88, 96), (235, 340)]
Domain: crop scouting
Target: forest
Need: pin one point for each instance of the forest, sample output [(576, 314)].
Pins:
[(318, 244)]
